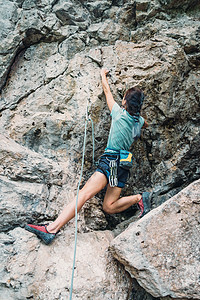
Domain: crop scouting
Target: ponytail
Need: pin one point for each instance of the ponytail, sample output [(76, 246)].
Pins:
[(134, 99), (136, 131)]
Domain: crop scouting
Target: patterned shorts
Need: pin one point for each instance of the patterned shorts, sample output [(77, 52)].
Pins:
[(104, 168)]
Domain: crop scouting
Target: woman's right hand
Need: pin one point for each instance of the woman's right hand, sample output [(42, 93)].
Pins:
[(104, 72), (109, 97)]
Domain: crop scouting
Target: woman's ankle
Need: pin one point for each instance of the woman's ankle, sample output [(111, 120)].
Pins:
[(139, 197), (51, 228)]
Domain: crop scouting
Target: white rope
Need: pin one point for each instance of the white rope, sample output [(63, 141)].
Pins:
[(81, 174)]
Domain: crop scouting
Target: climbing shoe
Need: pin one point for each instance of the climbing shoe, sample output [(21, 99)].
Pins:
[(41, 232), (144, 204)]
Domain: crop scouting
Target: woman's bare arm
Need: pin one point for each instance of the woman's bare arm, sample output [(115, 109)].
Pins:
[(109, 97)]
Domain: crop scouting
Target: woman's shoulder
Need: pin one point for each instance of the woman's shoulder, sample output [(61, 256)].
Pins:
[(141, 121), (116, 109)]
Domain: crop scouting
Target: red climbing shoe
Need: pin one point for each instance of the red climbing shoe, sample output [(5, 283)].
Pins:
[(41, 232), (144, 204)]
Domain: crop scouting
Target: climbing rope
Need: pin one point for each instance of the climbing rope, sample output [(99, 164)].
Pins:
[(80, 178), (93, 147)]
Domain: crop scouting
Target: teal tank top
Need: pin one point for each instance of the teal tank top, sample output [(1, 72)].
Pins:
[(120, 136)]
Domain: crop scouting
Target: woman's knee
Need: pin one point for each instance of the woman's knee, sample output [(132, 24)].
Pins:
[(107, 208)]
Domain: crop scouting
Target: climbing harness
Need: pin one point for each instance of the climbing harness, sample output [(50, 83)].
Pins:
[(113, 181), (81, 174), (126, 159)]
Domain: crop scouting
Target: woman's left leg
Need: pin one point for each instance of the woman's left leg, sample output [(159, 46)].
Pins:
[(114, 204), (47, 232), (94, 185)]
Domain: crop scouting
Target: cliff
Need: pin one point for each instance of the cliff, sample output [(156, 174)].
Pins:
[(51, 53)]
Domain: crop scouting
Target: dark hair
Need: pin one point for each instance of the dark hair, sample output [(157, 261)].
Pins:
[(134, 99)]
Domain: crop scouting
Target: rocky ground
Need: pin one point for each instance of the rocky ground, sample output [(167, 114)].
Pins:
[(51, 53)]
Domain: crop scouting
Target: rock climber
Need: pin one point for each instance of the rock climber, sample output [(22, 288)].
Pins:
[(125, 129)]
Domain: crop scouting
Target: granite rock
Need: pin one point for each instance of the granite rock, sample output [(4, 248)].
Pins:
[(161, 250)]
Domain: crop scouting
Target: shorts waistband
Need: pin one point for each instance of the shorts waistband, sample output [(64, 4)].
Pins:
[(111, 151)]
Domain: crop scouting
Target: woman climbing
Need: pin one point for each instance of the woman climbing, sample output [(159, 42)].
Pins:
[(125, 129)]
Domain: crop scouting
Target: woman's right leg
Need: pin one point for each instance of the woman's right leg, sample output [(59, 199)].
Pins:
[(94, 185)]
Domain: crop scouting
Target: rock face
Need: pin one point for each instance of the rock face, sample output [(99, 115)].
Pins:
[(162, 249), (51, 53), (31, 270), (27, 180)]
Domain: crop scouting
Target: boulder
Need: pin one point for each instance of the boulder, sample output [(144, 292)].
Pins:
[(161, 250), (33, 270), (21, 202), (18, 162), (28, 184)]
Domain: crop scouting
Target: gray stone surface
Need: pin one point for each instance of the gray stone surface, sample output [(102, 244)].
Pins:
[(162, 249), (18, 162), (33, 270), (51, 53)]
